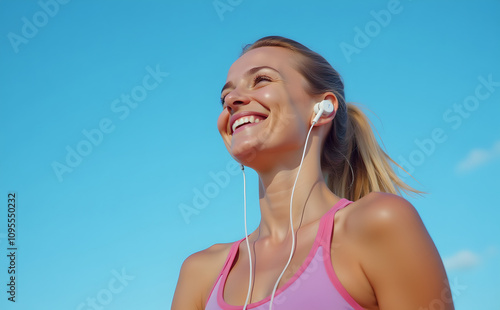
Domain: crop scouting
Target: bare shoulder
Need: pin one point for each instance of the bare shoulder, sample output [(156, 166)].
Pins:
[(211, 255), (380, 213), (396, 253), (197, 276)]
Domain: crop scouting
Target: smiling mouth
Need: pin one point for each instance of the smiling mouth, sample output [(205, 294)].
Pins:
[(246, 121)]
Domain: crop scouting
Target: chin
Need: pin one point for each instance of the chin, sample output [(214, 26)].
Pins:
[(244, 153)]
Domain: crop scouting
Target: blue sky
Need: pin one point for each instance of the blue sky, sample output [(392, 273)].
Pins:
[(108, 130)]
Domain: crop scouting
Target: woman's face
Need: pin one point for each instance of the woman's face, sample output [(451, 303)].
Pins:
[(266, 108)]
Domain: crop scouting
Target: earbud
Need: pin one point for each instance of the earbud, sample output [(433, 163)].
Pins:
[(324, 107)]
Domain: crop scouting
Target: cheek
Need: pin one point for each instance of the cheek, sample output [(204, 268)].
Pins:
[(286, 111), (267, 94), (222, 121)]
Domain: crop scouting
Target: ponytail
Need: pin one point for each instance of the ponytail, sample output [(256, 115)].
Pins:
[(365, 167), (352, 161)]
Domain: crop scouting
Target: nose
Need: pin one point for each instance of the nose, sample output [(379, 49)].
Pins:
[(235, 99)]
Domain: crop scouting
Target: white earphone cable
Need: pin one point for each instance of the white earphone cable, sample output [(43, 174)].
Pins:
[(291, 220), (246, 237)]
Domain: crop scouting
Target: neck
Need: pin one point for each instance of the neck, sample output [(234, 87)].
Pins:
[(311, 198)]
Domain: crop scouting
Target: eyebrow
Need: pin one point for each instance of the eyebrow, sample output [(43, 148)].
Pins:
[(249, 72)]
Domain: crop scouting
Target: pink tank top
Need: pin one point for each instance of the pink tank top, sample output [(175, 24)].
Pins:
[(314, 286)]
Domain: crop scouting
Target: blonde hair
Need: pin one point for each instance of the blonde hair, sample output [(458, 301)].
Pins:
[(352, 161)]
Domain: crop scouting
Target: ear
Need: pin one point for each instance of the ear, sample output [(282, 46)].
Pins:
[(325, 119)]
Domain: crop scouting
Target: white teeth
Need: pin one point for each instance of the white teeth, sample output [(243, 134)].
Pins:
[(244, 120)]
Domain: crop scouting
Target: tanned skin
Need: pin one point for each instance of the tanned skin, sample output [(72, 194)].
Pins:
[(381, 250)]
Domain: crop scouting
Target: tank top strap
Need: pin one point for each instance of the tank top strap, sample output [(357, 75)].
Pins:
[(230, 257), (325, 230), (215, 292)]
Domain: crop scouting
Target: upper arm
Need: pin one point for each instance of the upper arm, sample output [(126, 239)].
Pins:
[(400, 259), (188, 293), (197, 276)]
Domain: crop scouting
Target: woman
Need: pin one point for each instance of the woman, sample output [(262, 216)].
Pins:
[(355, 243)]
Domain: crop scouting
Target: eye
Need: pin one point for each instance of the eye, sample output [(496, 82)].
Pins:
[(259, 78), (223, 99), (256, 80)]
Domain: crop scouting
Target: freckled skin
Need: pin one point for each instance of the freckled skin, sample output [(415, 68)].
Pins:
[(381, 251)]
